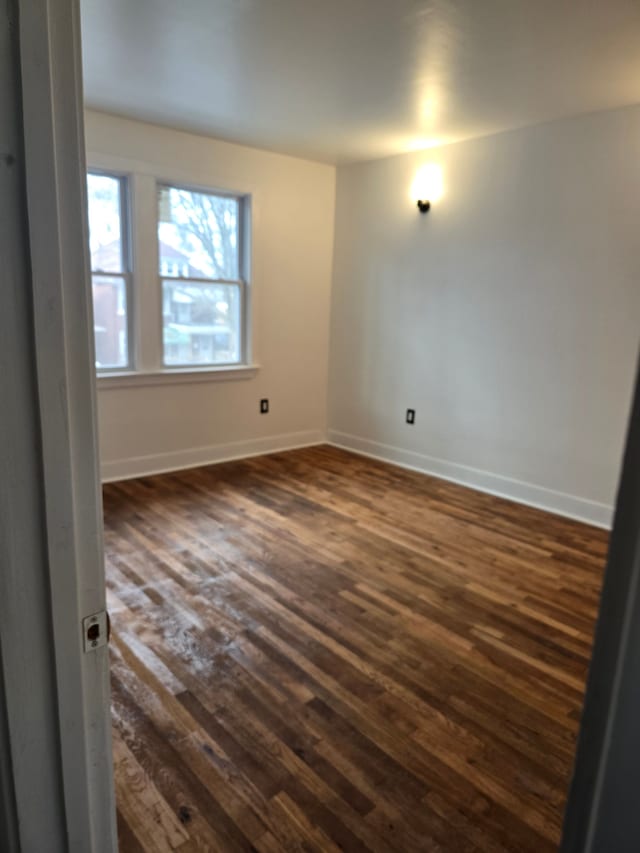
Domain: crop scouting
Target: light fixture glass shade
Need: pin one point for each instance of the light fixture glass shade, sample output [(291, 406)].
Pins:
[(427, 183)]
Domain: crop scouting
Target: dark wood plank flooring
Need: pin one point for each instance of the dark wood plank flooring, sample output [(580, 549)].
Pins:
[(315, 651)]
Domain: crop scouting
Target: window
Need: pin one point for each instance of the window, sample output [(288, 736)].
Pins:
[(190, 290), (203, 286), (109, 269)]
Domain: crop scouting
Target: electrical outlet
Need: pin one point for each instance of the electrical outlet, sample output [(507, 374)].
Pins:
[(264, 407), (411, 416)]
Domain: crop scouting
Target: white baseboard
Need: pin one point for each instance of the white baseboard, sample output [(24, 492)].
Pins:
[(162, 463), (581, 509), (590, 512)]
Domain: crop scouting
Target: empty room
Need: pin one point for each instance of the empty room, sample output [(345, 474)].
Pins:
[(322, 341)]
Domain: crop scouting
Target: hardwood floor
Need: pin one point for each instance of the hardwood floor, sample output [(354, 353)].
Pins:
[(316, 651)]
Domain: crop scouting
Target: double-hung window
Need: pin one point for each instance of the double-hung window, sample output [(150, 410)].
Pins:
[(200, 267), (199, 298), (110, 266)]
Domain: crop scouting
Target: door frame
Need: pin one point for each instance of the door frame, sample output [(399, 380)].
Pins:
[(602, 811), (57, 696)]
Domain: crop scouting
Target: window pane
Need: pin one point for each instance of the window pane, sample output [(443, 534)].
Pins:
[(201, 323), (110, 321), (197, 234), (105, 226)]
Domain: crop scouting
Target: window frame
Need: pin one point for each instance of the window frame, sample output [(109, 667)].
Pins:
[(242, 282), (126, 274), (144, 303)]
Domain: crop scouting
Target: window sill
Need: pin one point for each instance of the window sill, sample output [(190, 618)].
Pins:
[(177, 376)]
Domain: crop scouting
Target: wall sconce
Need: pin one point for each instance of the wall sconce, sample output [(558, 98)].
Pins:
[(427, 186)]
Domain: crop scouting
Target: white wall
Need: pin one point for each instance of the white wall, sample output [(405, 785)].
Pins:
[(508, 316), (145, 429)]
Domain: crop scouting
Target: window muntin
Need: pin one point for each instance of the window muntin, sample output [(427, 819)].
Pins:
[(109, 269), (200, 266)]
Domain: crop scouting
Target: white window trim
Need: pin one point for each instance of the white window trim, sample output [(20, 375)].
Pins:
[(176, 376)]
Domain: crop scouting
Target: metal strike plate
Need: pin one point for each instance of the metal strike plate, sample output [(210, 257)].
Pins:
[(95, 631)]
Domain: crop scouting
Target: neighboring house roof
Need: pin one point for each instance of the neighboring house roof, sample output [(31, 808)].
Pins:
[(169, 253), (107, 258)]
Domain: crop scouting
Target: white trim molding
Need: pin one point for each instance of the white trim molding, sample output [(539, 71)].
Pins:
[(64, 516), (194, 457), (571, 506), (186, 376)]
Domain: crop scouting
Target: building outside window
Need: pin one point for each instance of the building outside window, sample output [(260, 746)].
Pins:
[(109, 269), (203, 287)]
